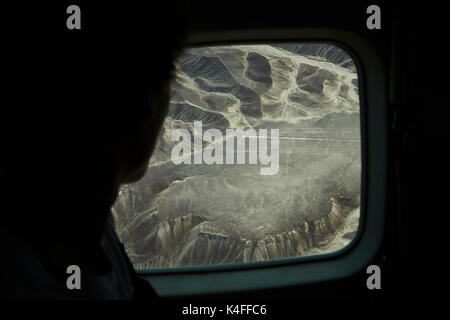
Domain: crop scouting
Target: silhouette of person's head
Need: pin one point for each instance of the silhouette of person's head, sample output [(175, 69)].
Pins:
[(90, 106)]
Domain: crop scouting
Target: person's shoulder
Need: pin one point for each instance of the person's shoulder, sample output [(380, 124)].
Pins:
[(142, 290), (22, 274)]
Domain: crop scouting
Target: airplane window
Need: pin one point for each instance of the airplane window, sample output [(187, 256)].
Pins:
[(259, 159)]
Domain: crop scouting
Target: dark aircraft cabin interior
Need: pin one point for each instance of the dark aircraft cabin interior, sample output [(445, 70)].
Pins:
[(226, 157)]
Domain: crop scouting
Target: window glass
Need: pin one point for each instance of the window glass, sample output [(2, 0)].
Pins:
[(259, 159)]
